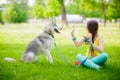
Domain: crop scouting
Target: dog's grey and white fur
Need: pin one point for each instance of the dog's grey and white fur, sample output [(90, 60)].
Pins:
[(41, 44)]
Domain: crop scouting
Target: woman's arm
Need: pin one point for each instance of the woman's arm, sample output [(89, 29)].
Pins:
[(99, 48), (76, 42)]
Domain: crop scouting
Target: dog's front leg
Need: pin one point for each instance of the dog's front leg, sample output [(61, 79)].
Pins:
[(49, 56)]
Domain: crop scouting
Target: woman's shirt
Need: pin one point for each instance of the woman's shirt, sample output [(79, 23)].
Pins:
[(92, 53)]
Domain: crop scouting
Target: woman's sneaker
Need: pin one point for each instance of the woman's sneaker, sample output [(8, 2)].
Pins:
[(77, 62)]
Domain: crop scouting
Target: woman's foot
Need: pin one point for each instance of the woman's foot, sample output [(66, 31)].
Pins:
[(77, 62)]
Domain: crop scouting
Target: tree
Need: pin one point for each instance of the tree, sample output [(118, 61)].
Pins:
[(116, 5), (114, 10), (63, 12), (1, 21), (84, 7), (89, 8), (97, 6), (46, 9), (2, 7), (15, 12), (103, 6), (38, 11), (93, 8), (52, 9), (73, 7)]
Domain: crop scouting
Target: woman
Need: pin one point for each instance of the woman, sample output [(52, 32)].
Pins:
[(95, 55)]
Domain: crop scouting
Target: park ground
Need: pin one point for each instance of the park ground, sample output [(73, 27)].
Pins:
[(15, 37)]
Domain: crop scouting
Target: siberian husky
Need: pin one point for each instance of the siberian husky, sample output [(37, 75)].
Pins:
[(41, 44)]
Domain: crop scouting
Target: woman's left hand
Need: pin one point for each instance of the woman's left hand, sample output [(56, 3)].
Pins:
[(87, 40), (73, 31)]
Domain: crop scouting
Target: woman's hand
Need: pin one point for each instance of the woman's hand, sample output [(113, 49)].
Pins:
[(87, 40), (73, 31), (76, 42)]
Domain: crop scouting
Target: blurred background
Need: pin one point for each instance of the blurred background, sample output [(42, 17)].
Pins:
[(62, 11)]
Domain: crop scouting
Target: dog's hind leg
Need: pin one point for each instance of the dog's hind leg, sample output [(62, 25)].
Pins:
[(28, 57), (47, 52)]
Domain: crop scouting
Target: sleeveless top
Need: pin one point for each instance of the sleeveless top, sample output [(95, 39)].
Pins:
[(93, 52)]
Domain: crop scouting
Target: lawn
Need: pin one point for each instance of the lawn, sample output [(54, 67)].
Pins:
[(15, 37)]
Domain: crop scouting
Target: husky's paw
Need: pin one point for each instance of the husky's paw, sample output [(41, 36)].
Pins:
[(51, 61)]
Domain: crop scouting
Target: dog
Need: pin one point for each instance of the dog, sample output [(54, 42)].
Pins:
[(41, 44)]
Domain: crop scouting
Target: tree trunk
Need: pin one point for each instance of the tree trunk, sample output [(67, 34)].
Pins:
[(119, 23), (119, 17), (63, 14), (104, 14)]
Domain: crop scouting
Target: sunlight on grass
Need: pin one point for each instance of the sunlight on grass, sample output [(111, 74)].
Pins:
[(15, 37)]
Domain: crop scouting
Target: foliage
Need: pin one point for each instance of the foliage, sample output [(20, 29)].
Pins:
[(83, 7), (1, 21), (50, 8), (38, 11), (93, 8), (53, 8), (61, 1), (46, 9), (113, 11), (15, 13)]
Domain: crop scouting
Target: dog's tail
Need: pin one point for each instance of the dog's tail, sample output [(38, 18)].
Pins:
[(28, 57)]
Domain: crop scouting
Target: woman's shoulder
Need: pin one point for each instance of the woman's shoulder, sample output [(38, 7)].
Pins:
[(99, 38)]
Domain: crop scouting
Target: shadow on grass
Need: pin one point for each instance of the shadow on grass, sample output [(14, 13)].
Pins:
[(58, 70)]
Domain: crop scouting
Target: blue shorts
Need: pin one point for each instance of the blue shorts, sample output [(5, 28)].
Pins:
[(94, 62)]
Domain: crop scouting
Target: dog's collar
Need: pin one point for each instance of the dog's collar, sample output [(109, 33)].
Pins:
[(49, 34)]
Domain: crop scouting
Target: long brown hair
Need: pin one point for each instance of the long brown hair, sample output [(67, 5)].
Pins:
[(92, 27)]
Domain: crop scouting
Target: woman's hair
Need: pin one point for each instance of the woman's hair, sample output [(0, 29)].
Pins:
[(92, 27)]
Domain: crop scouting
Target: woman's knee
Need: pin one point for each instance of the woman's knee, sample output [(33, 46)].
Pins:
[(105, 55), (80, 57)]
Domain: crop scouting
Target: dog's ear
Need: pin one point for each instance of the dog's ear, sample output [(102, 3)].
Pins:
[(52, 20)]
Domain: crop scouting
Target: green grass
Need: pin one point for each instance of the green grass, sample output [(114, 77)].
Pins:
[(15, 37)]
